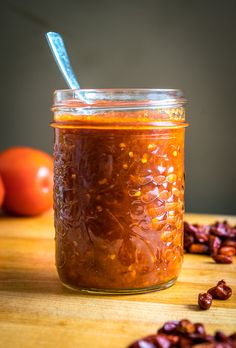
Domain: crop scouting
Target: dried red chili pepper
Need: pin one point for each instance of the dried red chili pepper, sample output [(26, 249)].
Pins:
[(214, 244), (227, 250), (188, 241), (217, 240), (199, 328), (198, 248), (166, 341), (186, 334), (204, 300), (221, 337), (222, 259), (221, 291), (229, 242), (169, 327), (185, 326)]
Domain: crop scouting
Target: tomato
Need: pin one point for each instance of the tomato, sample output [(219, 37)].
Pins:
[(2, 191), (27, 176)]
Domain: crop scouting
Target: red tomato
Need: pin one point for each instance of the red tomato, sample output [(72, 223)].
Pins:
[(27, 175), (2, 191)]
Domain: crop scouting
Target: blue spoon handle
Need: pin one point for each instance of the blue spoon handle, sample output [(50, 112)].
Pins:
[(58, 49)]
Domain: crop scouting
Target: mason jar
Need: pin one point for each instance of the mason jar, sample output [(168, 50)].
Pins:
[(119, 188)]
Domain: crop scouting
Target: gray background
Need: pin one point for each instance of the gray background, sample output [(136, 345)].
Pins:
[(150, 43)]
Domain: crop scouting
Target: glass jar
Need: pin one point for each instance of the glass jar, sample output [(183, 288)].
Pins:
[(119, 188)]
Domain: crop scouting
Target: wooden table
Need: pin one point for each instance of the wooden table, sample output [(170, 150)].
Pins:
[(36, 311)]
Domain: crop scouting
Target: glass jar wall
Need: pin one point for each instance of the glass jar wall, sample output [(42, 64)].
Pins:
[(119, 189)]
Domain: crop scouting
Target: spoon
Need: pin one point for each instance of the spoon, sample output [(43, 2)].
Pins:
[(61, 57)]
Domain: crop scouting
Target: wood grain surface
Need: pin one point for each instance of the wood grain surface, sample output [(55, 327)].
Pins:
[(36, 311)]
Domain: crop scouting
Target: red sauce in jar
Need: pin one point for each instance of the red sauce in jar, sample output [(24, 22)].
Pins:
[(118, 201)]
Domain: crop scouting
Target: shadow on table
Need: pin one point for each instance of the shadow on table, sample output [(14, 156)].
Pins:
[(23, 283), (193, 307)]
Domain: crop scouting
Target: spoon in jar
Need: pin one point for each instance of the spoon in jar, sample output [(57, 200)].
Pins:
[(61, 57)]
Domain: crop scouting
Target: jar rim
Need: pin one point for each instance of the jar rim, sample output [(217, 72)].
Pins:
[(116, 108), (123, 97)]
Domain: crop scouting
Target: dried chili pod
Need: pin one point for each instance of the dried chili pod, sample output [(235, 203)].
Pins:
[(185, 326), (221, 291), (204, 300), (225, 259), (221, 337), (169, 327), (229, 242), (146, 342), (199, 328), (198, 248), (227, 250), (214, 245)]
